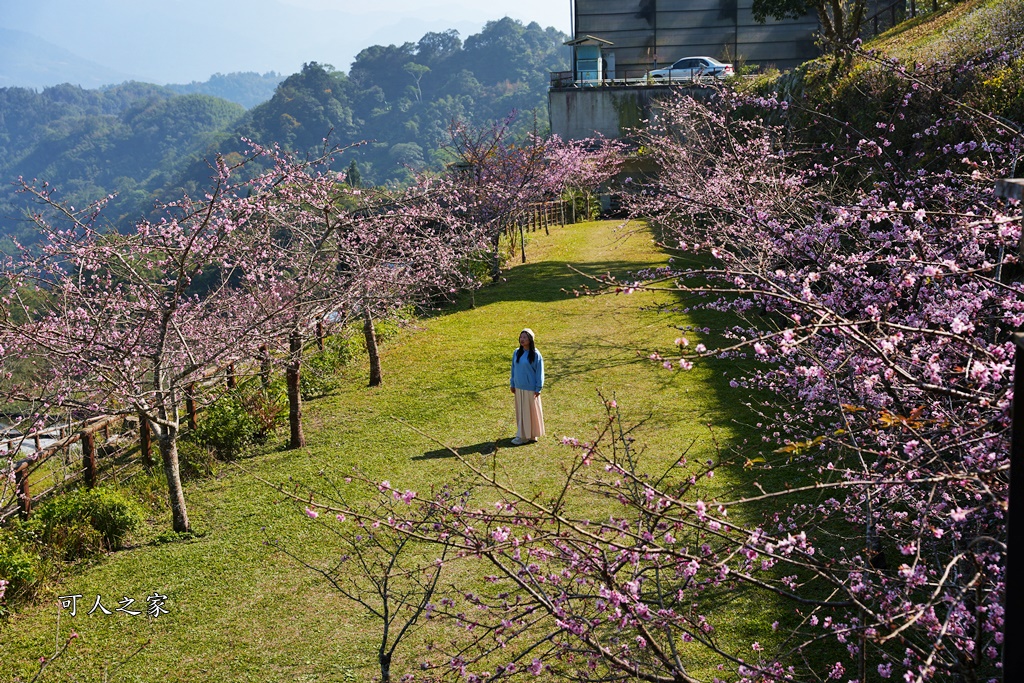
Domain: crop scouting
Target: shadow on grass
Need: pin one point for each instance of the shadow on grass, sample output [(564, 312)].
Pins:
[(544, 281), (482, 448), (568, 360)]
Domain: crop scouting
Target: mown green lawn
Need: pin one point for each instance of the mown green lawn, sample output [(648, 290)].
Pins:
[(237, 611)]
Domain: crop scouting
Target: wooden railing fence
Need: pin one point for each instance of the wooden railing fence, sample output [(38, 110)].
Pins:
[(49, 470), (537, 215)]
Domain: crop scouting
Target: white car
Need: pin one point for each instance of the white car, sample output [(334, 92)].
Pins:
[(692, 69)]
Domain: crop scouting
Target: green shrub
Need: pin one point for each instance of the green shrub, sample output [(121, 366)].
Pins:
[(148, 487), (195, 460), (19, 564), (74, 541), (65, 520), (477, 265), (266, 407), (226, 427), (319, 375), (320, 369), (245, 416), (387, 329)]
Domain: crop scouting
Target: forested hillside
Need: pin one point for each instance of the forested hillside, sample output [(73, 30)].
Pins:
[(400, 99), (131, 140), (245, 88), (144, 142)]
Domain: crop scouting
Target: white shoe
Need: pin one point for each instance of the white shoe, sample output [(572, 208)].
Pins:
[(516, 441)]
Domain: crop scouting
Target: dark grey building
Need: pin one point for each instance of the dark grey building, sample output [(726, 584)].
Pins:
[(640, 35)]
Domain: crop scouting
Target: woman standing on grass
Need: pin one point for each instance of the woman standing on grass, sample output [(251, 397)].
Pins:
[(526, 382)]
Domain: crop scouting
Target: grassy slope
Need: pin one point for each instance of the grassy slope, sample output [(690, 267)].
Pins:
[(239, 612), (938, 35), (959, 31)]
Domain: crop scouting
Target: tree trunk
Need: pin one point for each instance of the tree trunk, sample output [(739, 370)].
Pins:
[(298, 439), (371, 347), (190, 405), (168, 442), (385, 666), (264, 359), (496, 258), (145, 441)]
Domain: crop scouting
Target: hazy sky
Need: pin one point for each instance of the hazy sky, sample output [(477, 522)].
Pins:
[(183, 40)]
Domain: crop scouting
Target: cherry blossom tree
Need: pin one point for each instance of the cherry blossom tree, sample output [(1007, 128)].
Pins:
[(125, 323), (582, 165), (872, 290), (395, 577), (407, 248), (496, 177)]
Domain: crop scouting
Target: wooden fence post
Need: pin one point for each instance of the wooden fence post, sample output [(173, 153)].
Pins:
[(24, 496), (146, 441), (190, 405), (89, 458)]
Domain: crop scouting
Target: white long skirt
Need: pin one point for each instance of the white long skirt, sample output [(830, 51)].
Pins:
[(529, 416)]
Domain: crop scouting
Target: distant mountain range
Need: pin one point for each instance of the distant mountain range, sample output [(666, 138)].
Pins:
[(143, 143), (28, 61), (185, 40), (31, 62)]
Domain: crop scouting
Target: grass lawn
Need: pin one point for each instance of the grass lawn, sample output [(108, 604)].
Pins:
[(239, 612)]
